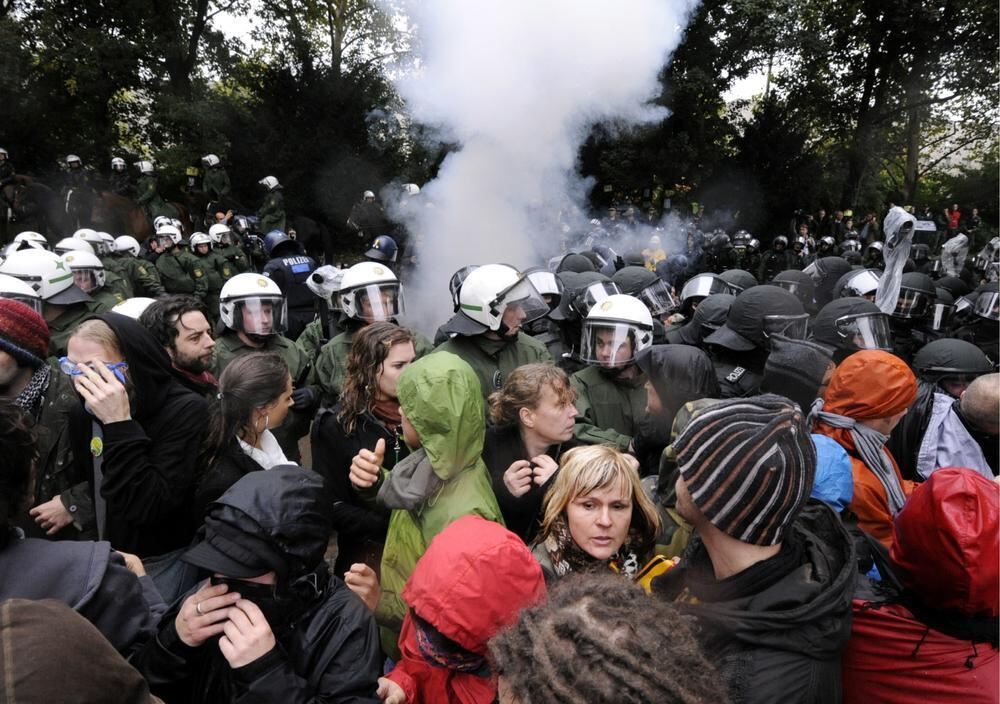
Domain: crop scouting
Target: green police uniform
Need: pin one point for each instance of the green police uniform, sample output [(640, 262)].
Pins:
[(217, 272), (272, 212), (215, 184), (608, 409), (63, 326), (236, 257), (148, 196), (182, 274), (117, 284), (331, 364), (107, 298), (313, 336), (114, 265), (142, 275), (229, 346), (494, 360)]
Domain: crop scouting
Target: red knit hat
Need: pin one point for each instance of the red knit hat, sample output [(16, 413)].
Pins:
[(23, 333)]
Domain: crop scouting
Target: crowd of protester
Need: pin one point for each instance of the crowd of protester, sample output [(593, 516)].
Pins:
[(708, 475)]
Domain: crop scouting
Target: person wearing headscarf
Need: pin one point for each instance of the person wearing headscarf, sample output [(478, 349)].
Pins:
[(868, 395)]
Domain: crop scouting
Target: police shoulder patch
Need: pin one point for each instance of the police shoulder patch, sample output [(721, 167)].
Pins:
[(736, 375)]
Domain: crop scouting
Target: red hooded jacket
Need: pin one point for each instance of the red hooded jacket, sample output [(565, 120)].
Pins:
[(947, 551), (867, 385), (472, 581)]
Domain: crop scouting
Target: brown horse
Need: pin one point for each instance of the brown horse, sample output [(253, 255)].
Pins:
[(118, 214)]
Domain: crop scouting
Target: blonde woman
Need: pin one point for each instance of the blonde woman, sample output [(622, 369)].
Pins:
[(596, 516)]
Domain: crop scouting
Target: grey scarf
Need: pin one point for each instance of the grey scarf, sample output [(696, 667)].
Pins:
[(870, 445), (410, 483)]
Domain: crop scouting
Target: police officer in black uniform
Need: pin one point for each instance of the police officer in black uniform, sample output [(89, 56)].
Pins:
[(739, 348), (290, 268)]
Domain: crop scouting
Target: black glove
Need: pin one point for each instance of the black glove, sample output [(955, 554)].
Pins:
[(304, 399)]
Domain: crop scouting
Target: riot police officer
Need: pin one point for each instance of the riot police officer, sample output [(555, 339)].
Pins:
[(290, 268)]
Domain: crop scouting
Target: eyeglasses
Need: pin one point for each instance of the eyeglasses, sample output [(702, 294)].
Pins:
[(71, 368)]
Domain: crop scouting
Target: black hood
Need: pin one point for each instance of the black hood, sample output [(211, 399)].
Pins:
[(149, 366), (679, 373), (808, 612), (271, 520)]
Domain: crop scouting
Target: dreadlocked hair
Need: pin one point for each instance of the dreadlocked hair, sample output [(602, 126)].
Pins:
[(364, 363), (247, 383), (600, 639)]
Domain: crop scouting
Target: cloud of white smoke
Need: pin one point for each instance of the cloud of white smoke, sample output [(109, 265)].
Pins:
[(518, 84)]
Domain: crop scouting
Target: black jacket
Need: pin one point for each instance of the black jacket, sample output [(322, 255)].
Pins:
[(782, 643), (361, 527), (233, 463), (148, 461), (503, 447), (327, 647)]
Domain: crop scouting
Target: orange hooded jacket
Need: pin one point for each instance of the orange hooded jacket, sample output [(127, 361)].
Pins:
[(868, 385)]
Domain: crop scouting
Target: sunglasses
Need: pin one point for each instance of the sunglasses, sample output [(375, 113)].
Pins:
[(71, 368)]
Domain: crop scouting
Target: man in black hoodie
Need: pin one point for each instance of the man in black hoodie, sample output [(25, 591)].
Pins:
[(134, 438), (768, 577), (272, 624)]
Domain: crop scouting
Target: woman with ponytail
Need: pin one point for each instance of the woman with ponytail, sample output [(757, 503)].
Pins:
[(255, 393)]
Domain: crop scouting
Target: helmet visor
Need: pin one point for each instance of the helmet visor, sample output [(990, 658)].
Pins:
[(987, 305), (704, 285), (86, 279), (658, 298), (912, 303), (611, 345), (34, 303), (791, 326), (802, 291), (377, 302), (869, 331), (521, 303), (592, 295), (940, 317), (862, 284), (261, 315)]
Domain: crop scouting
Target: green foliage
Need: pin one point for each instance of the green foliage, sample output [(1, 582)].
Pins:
[(867, 98)]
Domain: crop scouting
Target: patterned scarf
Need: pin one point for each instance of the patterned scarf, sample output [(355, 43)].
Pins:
[(31, 395), (568, 557), (440, 651), (870, 445)]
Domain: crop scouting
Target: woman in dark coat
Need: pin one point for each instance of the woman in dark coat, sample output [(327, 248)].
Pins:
[(367, 414), (532, 419)]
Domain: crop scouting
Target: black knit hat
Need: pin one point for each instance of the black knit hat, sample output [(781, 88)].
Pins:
[(748, 465)]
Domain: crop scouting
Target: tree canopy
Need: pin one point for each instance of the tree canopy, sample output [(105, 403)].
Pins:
[(866, 101)]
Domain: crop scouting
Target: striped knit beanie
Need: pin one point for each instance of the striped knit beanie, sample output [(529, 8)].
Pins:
[(748, 465), (23, 333)]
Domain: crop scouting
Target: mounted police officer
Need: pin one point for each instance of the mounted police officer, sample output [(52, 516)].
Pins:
[(272, 210)]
